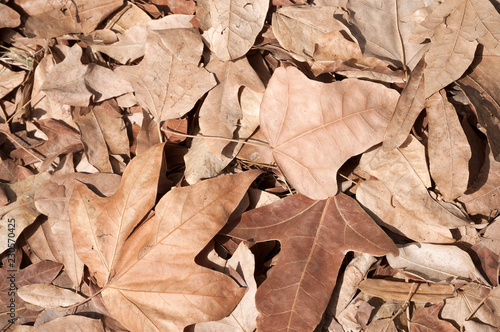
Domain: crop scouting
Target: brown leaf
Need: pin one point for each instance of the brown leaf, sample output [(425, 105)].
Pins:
[(314, 237), (455, 28), (186, 7), (79, 16), (398, 290), (427, 320), (231, 26), (48, 296), (484, 195), (72, 323), (448, 148), (221, 113), (351, 115), (149, 134), (489, 261), (179, 125), (62, 140), (73, 83), (167, 86), (9, 18), (482, 86), (9, 80), (410, 104)]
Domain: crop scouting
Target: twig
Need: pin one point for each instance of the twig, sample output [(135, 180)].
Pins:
[(403, 307), (22, 147), (249, 141)]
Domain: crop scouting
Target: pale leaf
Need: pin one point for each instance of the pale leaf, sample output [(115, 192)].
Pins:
[(48, 295), (9, 18)]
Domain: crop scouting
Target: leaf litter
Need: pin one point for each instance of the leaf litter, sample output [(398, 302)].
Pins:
[(227, 165)]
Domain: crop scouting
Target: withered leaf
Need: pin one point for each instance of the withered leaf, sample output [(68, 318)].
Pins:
[(455, 28), (167, 86), (314, 237), (427, 320), (9, 18), (72, 323), (299, 117), (232, 25), (48, 296), (9, 80)]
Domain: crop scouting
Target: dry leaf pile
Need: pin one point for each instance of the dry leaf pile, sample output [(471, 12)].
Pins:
[(229, 165)]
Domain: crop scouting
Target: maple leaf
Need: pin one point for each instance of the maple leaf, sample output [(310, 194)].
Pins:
[(144, 272), (299, 117), (314, 237)]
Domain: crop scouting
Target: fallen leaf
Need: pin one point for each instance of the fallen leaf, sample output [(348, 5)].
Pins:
[(472, 326), (72, 323), (491, 236), (484, 194), (385, 324), (427, 320), (398, 172), (9, 18), (410, 104), (314, 237), (351, 115), (397, 290), (244, 316), (454, 29), (232, 25), (481, 85), (149, 134), (448, 148), (62, 140), (186, 7), (166, 86), (78, 16), (221, 113), (388, 212), (48, 295), (9, 80), (436, 263), (488, 260)]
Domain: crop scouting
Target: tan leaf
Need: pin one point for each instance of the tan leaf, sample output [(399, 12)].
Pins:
[(398, 172), (427, 320), (186, 7), (482, 86), (149, 134), (314, 237), (167, 86), (388, 212), (351, 115), (484, 196), (398, 290), (73, 323), (436, 263), (73, 83), (79, 16), (455, 28), (244, 316), (48, 295), (62, 140), (378, 325), (221, 111), (233, 25), (491, 236), (9, 80), (448, 148), (410, 104), (472, 326), (9, 18)]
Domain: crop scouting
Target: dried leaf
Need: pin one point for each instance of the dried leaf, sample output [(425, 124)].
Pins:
[(449, 150), (436, 263), (74, 323), (187, 7), (9, 80), (351, 115), (9, 18), (232, 25), (48, 295), (314, 237), (427, 320), (397, 290), (167, 86), (78, 16), (220, 113), (73, 83), (455, 28)]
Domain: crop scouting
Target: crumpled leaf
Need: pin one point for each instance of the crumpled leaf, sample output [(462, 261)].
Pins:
[(9, 80), (232, 25), (351, 115), (314, 237), (436, 263), (455, 28), (448, 148), (167, 86), (78, 16), (127, 265), (76, 84), (221, 111), (9, 18), (48, 296), (427, 320)]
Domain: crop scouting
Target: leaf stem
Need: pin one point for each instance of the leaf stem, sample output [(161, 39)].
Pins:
[(249, 141)]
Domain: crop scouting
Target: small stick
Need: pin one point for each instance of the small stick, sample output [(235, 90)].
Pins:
[(249, 141), (22, 147), (403, 307)]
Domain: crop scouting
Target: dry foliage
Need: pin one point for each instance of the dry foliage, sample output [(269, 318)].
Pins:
[(229, 165)]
